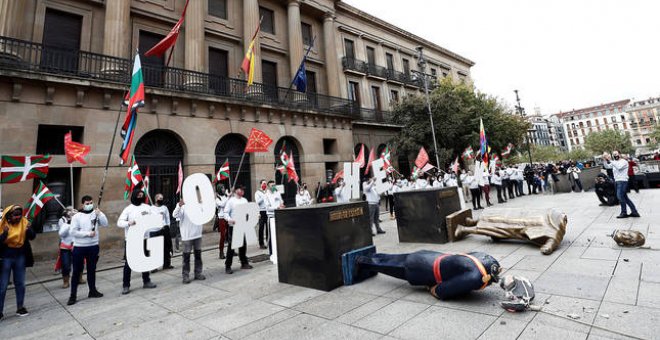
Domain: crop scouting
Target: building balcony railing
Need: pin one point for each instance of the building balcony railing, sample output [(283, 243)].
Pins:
[(376, 71), (28, 57), (354, 65), (396, 76), (373, 115)]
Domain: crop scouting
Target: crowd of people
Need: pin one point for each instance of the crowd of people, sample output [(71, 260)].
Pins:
[(79, 229)]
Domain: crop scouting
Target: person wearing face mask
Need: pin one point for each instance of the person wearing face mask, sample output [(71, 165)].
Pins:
[(191, 235), (16, 254), (342, 195), (86, 246), (260, 198), (164, 212), (230, 214), (302, 200), (66, 244), (274, 201), (221, 199), (126, 220), (620, 168)]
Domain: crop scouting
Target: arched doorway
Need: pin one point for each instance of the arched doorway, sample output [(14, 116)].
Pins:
[(159, 152), (290, 146), (230, 147)]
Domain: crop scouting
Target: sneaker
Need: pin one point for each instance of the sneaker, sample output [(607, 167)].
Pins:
[(125, 290), (229, 271), (22, 312), (623, 216), (72, 301), (635, 214), (95, 294), (186, 280), (149, 285), (200, 277), (246, 266)]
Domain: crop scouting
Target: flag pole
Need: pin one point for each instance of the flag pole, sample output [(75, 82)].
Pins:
[(71, 173), (295, 75), (107, 162), (240, 164), (58, 201)]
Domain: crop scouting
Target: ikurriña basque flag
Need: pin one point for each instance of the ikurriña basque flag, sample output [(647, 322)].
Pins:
[(134, 99)]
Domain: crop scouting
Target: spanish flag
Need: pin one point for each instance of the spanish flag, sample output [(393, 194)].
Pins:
[(248, 62)]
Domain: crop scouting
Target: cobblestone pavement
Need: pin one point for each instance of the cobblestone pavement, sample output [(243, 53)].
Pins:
[(600, 285)]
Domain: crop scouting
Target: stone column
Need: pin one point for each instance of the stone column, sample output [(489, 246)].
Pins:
[(331, 57), (295, 37), (194, 34), (117, 27), (250, 23)]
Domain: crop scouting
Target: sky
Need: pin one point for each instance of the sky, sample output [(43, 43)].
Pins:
[(559, 54)]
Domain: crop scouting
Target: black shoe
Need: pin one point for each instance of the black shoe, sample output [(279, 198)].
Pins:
[(125, 290), (380, 231), (221, 256), (623, 216), (200, 277), (229, 271), (168, 267), (72, 301), (95, 294), (246, 266), (148, 285), (186, 280), (635, 214), (22, 312)]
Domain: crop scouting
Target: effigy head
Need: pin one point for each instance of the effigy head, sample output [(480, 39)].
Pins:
[(491, 265), (628, 238)]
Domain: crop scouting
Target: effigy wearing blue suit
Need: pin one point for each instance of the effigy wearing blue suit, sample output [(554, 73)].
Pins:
[(445, 275)]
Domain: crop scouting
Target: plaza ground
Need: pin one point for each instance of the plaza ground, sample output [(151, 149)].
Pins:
[(589, 284)]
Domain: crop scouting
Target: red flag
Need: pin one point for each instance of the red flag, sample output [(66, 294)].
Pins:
[(360, 157), (75, 151), (372, 157), (178, 188), (171, 37), (291, 169), (339, 175), (258, 141), (422, 158)]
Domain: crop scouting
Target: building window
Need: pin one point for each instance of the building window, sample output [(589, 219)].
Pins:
[(616, 126), (218, 71), (269, 75), (50, 138), (354, 92), (307, 35), (329, 146), (375, 94), (406, 67), (639, 142), (390, 61), (349, 48), (268, 21), (371, 56), (589, 123), (648, 140), (311, 81), (434, 72), (218, 8), (394, 96), (61, 40)]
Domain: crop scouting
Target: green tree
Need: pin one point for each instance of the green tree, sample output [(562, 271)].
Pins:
[(607, 141), (655, 137), (456, 109)]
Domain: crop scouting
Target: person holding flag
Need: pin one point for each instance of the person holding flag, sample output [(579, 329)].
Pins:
[(86, 246), (221, 198), (16, 254)]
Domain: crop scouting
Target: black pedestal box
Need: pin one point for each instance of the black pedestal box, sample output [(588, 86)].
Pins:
[(421, 214), (311, 240)]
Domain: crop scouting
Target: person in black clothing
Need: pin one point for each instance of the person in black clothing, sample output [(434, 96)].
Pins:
[(605, 191), (528, 174)]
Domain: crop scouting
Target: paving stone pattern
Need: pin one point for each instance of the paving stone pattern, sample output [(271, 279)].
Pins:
[(601, 285)]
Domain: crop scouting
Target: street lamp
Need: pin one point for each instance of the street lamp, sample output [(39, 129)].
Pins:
[(421, 62), (521, 110)]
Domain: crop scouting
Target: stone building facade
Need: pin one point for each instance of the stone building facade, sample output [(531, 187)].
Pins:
[(579, 123), (65, 66), (643, 120)]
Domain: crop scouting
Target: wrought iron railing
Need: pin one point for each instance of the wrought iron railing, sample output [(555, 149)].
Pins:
[(396, 76), (24, 56), (373, 115), (376, 71), (352, 64)]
